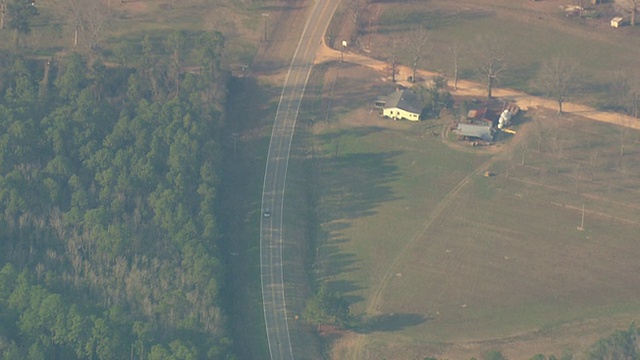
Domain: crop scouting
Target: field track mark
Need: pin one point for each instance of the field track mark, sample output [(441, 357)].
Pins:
[(433, 216), (375, 301), (598, 213)]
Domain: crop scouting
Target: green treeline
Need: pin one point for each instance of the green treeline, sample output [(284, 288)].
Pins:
[(108, 180)]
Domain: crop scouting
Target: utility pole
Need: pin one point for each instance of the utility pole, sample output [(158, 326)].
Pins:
[(265, 16), (369, 37), (235, 143), (581, 228)]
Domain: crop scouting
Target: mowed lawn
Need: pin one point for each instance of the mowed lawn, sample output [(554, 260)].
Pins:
[(435, 256)]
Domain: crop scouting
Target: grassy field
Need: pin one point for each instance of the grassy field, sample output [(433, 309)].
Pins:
[(440, 260)]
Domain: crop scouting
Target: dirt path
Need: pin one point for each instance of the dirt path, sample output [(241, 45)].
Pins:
[(468, 88)]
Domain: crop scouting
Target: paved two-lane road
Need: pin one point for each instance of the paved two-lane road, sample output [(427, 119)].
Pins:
[(271, 242)]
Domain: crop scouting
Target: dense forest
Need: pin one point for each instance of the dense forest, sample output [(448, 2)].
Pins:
[(108, 180)]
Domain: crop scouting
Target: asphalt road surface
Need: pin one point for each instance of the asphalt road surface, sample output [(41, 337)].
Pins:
[(271, 242)]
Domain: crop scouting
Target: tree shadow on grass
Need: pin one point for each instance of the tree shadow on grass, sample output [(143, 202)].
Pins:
[(358, 184), (362, 185), (330, 138), (361, 180), (346, 288), (336, 261), (389, 323)]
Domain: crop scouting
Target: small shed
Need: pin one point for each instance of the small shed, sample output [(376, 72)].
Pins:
[(482, 115), (402, 104), (617, 21), (476, 131)]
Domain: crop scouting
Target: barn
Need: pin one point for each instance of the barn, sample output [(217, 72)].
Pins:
[(475, 131)]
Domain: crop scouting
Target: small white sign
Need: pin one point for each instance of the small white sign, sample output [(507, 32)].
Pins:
[(344, 43)]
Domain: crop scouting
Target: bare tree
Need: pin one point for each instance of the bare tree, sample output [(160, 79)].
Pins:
[(557, 79), (152, 68), (556, 131), (523, 152), (356, 9), (175, 44), (3, 11), (576, 177), (557, 146), (95, 17), (393, 66), (456, 51), (630, 6), (492, 61), (633, 97), (418, 40), (625, 92), (540, 132), (73, 11), (625, 125), (593, 157), (88, 19)]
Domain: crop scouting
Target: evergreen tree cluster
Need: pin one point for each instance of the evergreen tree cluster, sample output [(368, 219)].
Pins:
[(108, 181), (621, 345), (435, 97)]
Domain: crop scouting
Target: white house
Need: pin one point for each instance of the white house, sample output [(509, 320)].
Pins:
[(402, 104)]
